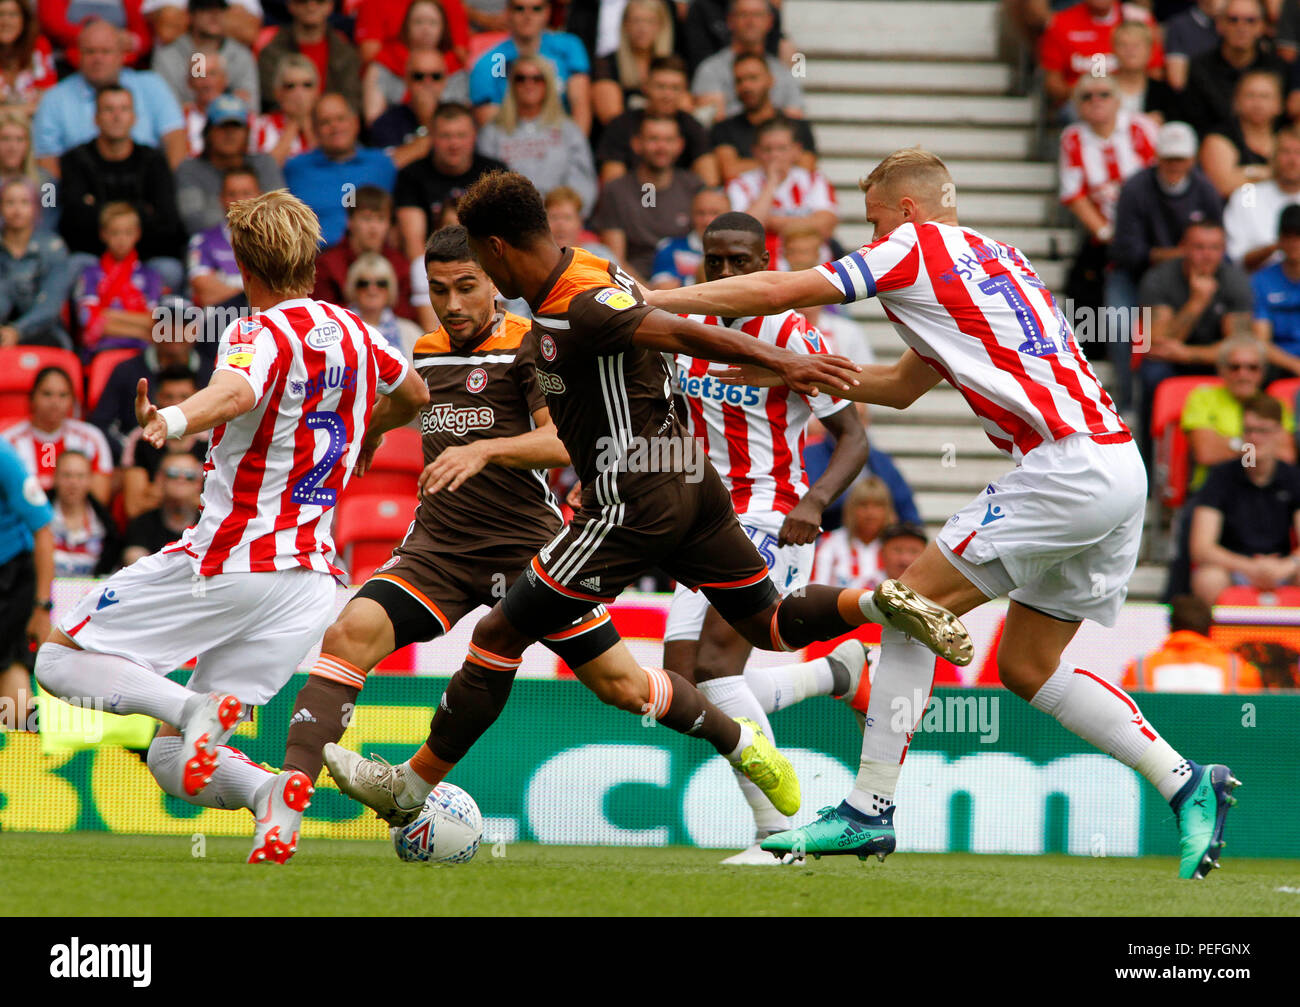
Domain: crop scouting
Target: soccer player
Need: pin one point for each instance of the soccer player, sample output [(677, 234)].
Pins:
[(754, 438), (249, 588), (1059, 533), (649, 498), (484, 512)]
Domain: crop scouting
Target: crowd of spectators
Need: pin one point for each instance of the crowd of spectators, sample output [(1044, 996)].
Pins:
[(1180, 161)]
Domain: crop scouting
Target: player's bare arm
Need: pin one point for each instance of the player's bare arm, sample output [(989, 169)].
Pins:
[(391, 411), (897, 385), (538, 449), (804, 522), (225, 397), (804, 373), (761, 293)]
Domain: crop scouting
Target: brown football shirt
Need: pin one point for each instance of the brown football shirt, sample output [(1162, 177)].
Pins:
[(486, 390), (610, 399)]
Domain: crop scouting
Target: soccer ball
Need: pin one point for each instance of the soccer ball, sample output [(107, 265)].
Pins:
[(447, 830)]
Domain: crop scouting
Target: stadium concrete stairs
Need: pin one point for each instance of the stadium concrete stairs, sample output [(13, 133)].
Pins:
[(884, 74)]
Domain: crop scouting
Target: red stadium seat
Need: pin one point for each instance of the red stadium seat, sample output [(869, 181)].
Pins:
[(396, 468), (366, 528), (1285, 390), (1282, 597), (19, 366), (481, 42), (101, 369), (1172, 455)]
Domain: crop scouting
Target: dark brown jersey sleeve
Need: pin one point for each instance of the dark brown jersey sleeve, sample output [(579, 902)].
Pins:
[(603, 320), (525, 375)]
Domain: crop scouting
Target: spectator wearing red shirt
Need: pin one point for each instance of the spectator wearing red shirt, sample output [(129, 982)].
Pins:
[(369, 222), (26, 62), (50, 429), (62, 21), (289, 129), (387, 31), (338, 65), (1077, 35)]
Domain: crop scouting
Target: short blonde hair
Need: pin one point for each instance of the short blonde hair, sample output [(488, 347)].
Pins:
[(911, 172), (871, 490), (275, 237), (112, 211), (370, 264), (294, 61)]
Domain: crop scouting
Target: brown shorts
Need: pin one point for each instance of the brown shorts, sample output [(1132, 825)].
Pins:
[(425, 594), (687, 529)]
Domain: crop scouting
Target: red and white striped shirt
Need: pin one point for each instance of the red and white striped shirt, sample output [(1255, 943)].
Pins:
[(40, 450), (801, 193), (265, 134), (975, 310), (274, 473), (755, 436), (1098, 168), (844, 561)]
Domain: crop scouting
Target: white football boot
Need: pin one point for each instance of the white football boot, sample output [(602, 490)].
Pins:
[(278, 813), (373, 782)]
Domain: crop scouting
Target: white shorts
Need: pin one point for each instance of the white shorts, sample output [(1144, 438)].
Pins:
[(1065, 526), (788, 566), (250, 631)]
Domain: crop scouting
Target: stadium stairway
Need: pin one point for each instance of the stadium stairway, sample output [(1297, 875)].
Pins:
[(885, 74)]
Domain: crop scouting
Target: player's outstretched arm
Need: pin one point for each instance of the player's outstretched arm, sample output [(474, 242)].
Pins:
[(898, 384), (805, 373), (540, 448), (225, 397), (761, 293)]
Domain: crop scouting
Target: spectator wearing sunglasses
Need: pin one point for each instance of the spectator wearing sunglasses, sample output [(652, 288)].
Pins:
[(1212, 414), (405, 128), (526, 21), (338, 64), (388, 33), (179, 483), (534, 137), (287, 130), (371, 290)]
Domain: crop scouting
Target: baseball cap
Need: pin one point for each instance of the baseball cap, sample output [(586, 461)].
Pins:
[(227, 108), (1176, 139), (1289, 222)]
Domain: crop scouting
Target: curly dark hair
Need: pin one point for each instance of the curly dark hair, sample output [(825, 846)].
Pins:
[(505, 205)]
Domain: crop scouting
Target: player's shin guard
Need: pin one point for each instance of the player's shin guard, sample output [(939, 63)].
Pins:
[(899, 695), (125, 687), (817, 612), (1106, 716), (322, 712), (677, 704), (234, 782)]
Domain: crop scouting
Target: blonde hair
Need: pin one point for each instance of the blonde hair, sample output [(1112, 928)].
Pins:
[(629, 74), (563, 195), (275, 237), (112, 211), (15, 116), (911, 172), (552, 111), (294, 61), (370, 263), (1134, 28), (871, 490)]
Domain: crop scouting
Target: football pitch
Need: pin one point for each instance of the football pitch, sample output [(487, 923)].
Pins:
[(114, 875)]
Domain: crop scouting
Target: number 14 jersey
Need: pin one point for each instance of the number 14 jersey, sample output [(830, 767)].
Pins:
[(273, 474), (975, 310)]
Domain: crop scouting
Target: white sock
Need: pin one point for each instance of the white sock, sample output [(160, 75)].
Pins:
[(234, 784), (784, 685), (733, 697), (899, 693), (414, 789), (746, 739), (1106, 716), (869, 608), (124, 686)]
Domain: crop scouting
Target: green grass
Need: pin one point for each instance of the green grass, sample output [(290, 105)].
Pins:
[(113, 875)]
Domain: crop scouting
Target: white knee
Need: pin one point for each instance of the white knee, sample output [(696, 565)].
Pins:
[(166, 764)]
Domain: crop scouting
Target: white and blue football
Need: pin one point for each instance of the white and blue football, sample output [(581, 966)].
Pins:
[(447, 831)]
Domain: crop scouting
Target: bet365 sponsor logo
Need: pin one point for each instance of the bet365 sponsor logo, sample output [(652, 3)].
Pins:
[(444, 418)]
